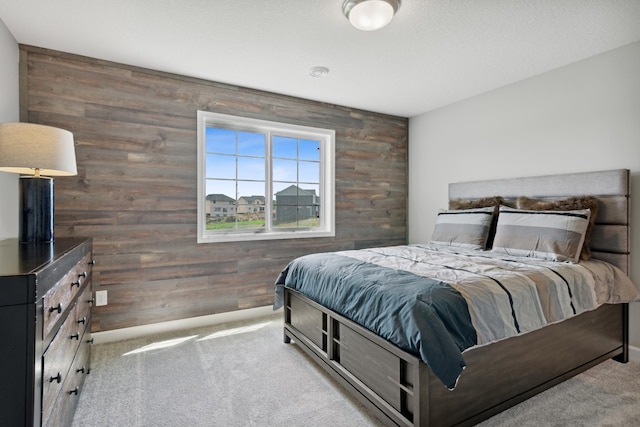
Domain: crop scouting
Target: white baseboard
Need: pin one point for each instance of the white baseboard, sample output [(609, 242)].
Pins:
[(175, 325), (634, 353)]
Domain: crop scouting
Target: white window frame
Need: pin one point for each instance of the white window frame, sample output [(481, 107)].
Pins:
[(327, 178)]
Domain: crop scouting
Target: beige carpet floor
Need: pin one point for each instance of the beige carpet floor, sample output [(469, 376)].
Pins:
[(242, 374)]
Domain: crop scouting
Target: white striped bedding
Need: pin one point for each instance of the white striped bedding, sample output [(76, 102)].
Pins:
[(509, 295)]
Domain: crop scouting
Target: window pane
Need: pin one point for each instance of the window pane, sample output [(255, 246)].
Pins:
[(220, 166), (296, 207), (220, 140), (285, 194), (285, 170), (309, 150), (279, 187), (285, 205), (285, 216), (296, 216), (285, 147), (251, 205), (220, 208), (313, 189), (218, 186), (251, 168), (249, 188), (251, 144), (309, 172), (309, 216)]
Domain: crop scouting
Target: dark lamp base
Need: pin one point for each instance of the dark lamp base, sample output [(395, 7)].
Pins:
[(36, 209)]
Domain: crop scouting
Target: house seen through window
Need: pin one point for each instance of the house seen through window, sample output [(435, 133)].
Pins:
[(263, 180)]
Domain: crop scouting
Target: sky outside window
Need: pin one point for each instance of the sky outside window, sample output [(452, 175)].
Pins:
[(235, 163)]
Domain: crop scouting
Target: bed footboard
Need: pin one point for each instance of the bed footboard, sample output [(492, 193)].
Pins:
[(401, 390), (388, 381)]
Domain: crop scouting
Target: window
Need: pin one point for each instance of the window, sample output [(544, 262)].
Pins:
[(261, 180)]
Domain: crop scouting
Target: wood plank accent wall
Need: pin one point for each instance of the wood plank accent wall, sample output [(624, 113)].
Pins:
[(135, 192)]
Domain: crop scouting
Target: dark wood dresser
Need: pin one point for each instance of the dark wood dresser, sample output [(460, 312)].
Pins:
[(45, 312)]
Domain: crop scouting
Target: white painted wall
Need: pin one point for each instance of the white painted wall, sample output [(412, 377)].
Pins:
[(581, 117), (9, 112)]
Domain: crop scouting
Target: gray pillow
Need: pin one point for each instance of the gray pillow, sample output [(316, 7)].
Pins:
[(571, 203), (485, 202), (551, 235), (468, 228)]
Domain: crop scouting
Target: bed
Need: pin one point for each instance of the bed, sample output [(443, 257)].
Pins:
[(470, 375)]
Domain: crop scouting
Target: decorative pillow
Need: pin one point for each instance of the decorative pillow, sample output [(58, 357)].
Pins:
[(485, 202), (467, 228), (572, 203), (552, 235)]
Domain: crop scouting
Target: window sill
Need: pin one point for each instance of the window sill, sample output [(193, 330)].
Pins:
[(247, 237)]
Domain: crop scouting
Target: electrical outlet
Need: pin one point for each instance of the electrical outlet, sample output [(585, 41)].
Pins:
[(101, 298)]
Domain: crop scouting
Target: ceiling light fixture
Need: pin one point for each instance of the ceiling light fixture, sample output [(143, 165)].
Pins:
[(370, 15)]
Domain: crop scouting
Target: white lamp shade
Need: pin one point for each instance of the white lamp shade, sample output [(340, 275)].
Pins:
[(27, 147), (370, 15)]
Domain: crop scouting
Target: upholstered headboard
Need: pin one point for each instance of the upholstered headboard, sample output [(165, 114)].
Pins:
[(610, 240)]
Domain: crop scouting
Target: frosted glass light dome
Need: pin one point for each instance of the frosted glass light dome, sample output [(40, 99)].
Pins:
[(370, 15)]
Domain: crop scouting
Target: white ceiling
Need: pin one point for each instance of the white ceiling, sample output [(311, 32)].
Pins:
[(433, 53)]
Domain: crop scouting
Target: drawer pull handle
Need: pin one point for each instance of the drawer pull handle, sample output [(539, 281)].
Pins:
[(83, 275), (75, 283), (57, 308), (74, 391), (81, 370), (75, 336), (92, 262), (90, 341), (91, 301), (57, 378), (83, 320)]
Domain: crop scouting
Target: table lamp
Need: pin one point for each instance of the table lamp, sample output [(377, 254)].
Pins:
[(37, 152)]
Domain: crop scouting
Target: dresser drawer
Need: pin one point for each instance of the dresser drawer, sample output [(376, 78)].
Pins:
[(81, 368), (67, 399), (57, 301), (83, 310), (56, 362), (377, 368), (310, 321)]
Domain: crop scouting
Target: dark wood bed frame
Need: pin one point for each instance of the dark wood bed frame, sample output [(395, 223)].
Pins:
[(401, 390)]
